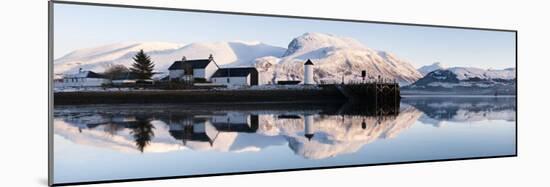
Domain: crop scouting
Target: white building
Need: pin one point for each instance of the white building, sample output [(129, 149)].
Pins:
[(186, 69), (82, 79), (308, 72), (232, 77)]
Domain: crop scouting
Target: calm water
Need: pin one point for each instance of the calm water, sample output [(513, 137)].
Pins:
[(107, 142)]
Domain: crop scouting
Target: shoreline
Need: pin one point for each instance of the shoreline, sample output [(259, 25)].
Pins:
[(198, 96), (379, 93)]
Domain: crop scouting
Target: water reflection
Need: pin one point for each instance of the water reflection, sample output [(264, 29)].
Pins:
[(310, 131), (142, 132), (439, 110)]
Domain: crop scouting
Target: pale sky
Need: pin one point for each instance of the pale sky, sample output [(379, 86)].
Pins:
[(80, 26)]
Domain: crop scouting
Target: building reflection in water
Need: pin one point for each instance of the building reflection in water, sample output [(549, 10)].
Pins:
[(311, 132)]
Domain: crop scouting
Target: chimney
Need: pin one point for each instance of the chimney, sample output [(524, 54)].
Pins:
[(183, 58), (211, 57), (79, 70)]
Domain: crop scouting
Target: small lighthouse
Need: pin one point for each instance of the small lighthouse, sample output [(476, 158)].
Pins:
[(308, 72)]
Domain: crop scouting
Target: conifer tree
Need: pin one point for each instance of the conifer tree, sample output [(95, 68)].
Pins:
[(142, 66)]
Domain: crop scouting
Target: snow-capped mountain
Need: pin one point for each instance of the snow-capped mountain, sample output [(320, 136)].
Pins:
[(424, 70), (458, 79), (333, 57), (485, 74), (98, 58), (163, 54)]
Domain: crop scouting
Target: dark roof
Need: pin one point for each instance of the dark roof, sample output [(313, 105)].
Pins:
[(234, 72), (195, 64), (308, 62), (126, 76), (235, 127), (182, 135), (92, 74), (288, 82), (284, 116), (199, 120), (84, 74)]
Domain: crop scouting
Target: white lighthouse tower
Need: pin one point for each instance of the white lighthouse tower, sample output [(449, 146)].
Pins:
[(308, 72)]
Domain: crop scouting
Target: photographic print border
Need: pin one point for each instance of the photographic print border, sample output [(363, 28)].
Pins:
[(51, 4)]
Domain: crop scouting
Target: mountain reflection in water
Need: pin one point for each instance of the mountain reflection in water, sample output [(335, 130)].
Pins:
[(310, 131), (439, 110)]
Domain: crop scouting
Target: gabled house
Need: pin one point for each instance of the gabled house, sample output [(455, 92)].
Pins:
[(193, 69), (83, 79), (236, 76)]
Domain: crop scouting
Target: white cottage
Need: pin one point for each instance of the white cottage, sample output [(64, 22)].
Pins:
[(187, 69), (232, 77), (83, 79)]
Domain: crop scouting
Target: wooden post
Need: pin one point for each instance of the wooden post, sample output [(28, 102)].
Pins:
[(376, 96), (363, 74), (395, 96)]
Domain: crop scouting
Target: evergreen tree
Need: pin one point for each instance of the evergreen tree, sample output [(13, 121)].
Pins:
[(143, 133), (142, 66)]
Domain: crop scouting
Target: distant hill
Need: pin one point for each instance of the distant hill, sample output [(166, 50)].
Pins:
[(461, 80)]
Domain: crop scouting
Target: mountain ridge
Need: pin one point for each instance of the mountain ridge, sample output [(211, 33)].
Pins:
[(458, 80), (432, 67)]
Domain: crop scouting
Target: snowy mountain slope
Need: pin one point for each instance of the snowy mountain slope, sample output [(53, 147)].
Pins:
[(309, 42), (473, 73), (467, 80), (424, 70), (333, 57), (98, 59)]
